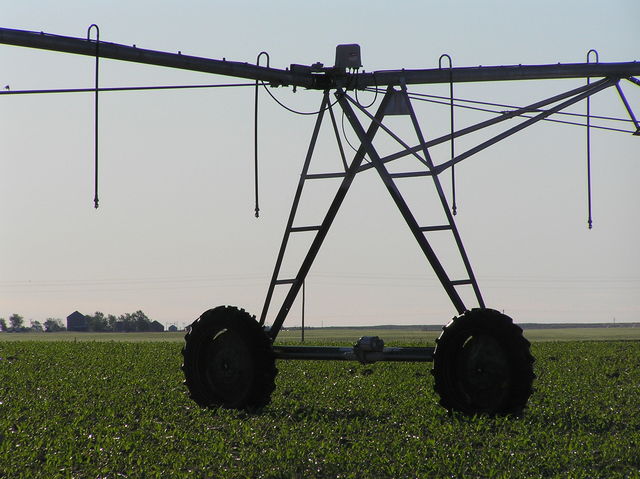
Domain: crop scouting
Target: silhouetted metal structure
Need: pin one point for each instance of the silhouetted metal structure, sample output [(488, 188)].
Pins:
[(482, 363)]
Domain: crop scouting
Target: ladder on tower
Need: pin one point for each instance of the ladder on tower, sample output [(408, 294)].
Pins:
[(395, 102)]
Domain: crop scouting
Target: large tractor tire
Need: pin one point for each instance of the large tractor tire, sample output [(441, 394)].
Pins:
[(228, 360), (482, 364)]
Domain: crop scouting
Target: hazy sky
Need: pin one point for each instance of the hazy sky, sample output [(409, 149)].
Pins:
[(175, 232)]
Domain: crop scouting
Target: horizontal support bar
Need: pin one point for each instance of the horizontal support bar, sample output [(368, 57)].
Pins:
[(436, 228), (304, 228), (319, 176), (411, 174), (284, 281), (335, 353), (460, 282)]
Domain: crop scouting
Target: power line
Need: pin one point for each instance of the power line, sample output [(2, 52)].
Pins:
[(325, 275)]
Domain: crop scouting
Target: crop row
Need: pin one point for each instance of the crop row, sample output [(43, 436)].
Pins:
[(118, 409)]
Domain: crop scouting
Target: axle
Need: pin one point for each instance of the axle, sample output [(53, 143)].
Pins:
[(368, 349)]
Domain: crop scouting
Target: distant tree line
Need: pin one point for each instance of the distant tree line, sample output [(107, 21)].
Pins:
[(98, 322), (16, 325), (129, 322)]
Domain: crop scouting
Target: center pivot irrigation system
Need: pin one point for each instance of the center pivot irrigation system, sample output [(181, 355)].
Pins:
[(481, 361)]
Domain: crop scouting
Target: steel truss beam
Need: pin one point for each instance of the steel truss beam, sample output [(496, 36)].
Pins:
[(487, 123), (404, 208), (367, 148), (307, 77)]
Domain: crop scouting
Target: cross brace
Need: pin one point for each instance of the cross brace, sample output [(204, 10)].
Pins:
[(366, 149), (421, 153)]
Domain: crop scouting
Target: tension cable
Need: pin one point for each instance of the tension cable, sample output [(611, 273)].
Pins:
[(434, 99)]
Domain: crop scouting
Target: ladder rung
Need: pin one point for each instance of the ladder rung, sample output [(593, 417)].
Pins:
[(319, 176), (285, 281), (410, 174), (304, 228), (461, 281), (435, 228)]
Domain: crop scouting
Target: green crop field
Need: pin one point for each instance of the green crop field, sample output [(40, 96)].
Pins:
[(401, 335), (89, 409)]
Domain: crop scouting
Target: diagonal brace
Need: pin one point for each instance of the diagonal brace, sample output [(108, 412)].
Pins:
[(402, 204), (595, 88), (327, 221)]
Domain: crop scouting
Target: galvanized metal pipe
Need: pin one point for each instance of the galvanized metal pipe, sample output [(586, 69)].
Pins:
[(328, 78), (80, 46), (336, 353)]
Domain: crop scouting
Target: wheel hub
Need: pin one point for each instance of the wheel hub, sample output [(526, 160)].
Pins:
[(483, 371), (228, 368)]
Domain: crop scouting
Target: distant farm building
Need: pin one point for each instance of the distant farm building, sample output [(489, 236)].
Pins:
[(173, 328), (77, 322), (156, 327)]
